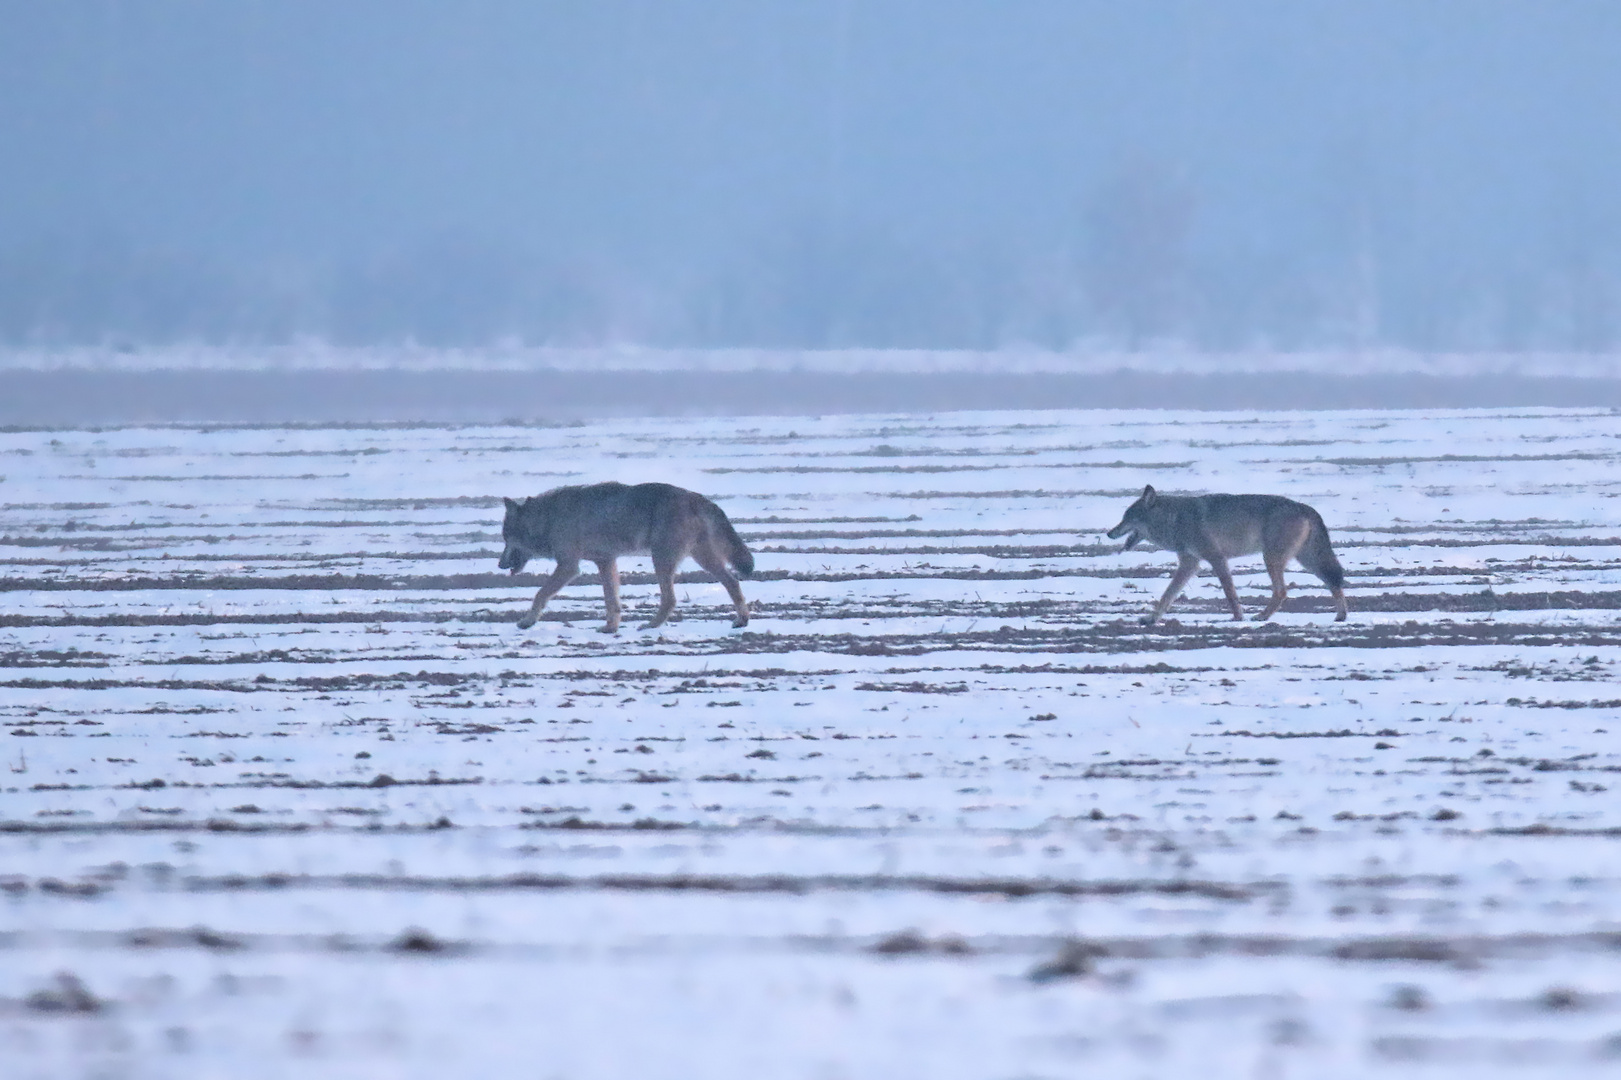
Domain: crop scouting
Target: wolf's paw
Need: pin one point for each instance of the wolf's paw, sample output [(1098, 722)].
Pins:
[(526, 622), (1149, 620), (738, 624), (607, 629), (1262, 617), (1340, 617)]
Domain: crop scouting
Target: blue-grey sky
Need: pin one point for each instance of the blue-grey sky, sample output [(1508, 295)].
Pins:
[(1441, 174)]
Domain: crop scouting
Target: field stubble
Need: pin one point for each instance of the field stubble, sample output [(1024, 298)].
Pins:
[(286, 790)]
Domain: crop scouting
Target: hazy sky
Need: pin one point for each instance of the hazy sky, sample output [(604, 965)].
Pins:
[(782, 169)]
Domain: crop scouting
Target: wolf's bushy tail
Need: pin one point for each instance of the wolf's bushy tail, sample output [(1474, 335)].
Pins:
[(740, 557), (1318, 556)]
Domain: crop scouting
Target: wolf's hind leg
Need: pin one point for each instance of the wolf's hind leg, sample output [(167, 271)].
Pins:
[(1319, 559), (609, 570), (664, 566), (567, 570), (1278, 554), (1187, 566), (716, 564), (1280, 587), (1225, 576)]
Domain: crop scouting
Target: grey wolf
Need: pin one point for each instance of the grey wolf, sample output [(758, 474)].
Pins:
[(601, 522), (1215, 528)]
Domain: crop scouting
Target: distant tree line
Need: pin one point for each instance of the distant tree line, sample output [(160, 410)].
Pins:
[(1134, 272)]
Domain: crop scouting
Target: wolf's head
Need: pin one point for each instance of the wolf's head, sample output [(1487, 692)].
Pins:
[(1135, 521), (513, 552)]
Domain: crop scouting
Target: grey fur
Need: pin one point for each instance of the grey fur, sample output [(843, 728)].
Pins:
[(602, 522), (1215, 528)]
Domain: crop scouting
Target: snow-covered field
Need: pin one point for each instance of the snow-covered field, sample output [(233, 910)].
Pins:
[(286, 793)]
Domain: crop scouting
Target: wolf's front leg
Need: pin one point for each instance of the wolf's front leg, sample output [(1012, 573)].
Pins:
[(1186, 567), (1225, 576), (609, 569), (567, 571)]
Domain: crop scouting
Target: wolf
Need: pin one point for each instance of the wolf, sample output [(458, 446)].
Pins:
[(1216, 528), (601, 522)]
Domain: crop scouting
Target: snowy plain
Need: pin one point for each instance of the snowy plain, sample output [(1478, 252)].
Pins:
[(287, 792)]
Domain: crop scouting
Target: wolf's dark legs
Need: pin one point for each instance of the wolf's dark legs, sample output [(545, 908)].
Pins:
[(1280, 587), (610, 592), (1320, 560), (717, 566), (1225, 576), (1185, 569), (664, 566), (567, 570), (1340, 610), (1286, 546)]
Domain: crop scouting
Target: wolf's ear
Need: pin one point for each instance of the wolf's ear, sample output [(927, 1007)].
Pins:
[(511, 506), (1148, 495)]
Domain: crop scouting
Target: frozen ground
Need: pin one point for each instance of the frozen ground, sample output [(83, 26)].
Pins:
[(87, 397), (316, 383), (287, 794)]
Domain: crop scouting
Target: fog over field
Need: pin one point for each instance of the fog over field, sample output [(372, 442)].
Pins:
[(896, 173)]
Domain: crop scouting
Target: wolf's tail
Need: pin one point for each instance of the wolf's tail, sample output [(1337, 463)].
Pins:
[(1318, 556), (740, 557)]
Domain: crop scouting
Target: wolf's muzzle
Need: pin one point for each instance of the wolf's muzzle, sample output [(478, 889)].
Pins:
[(1121, 530)]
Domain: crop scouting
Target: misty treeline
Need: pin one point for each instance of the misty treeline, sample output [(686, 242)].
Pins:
[(1134, 267)]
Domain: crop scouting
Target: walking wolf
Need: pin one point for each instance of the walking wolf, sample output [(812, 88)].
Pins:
[(601, 522), (1215, 528)]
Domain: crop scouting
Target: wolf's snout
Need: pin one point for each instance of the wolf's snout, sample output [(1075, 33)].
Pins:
[(1124, 529)]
